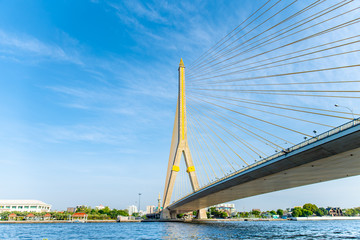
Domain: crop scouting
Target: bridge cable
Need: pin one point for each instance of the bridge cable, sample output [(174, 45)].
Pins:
[(199, 63), (257, 46), (268, 105), (260, 24), (284, 74), (245, 130), (209, 51), (211, 152), (196, 149), (209, 136), (334, 28), (306, 38), (198, 158), (202, 150), (261, 67), (288, 94), (262, 120), (282, 55), (291, 83), (267, 42), (281, 115), (268, 29), (248, 145)]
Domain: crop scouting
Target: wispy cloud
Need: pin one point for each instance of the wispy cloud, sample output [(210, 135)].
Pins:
[(139, 10), (87, 133), (16, 45), (128, 101)]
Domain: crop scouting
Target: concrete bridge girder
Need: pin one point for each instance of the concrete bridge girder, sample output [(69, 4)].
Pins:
[(331, 158)]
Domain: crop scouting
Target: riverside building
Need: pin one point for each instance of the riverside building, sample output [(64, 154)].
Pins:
[(24, 206), (226, 207), (150, 209), (132, 209)]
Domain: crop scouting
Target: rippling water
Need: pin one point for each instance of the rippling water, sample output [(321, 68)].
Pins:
[(212, 230)]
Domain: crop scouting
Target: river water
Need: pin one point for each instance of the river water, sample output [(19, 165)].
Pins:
[(167, 230)]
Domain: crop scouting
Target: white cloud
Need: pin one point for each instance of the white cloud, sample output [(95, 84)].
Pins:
[(16, 45), (86, 133)]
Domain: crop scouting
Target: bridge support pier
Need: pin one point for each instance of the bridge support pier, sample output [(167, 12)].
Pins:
[(165, 214), (201, 214), (173, 214)]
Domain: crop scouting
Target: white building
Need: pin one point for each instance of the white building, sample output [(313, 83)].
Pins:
[(132, 209), (228, 207), (150, 209), (100, 207), (24, 206)]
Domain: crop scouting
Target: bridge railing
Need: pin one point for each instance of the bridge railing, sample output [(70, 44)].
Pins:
[(288, 150), (326, 134)]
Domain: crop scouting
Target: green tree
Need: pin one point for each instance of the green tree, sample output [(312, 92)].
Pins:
[(297, 212), (216, 213), (280, 212), (272, 212), (135, 214), (325, 212), (83, 209), (256, 213), (243, 214), (212, 210), (350, 212), (357, 210), (124, 212), (311, 207), (113, 213), (105, 210), (319, 212), (306, 213), (223, 215)]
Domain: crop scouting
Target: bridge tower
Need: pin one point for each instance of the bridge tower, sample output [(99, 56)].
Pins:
[(179, 147)]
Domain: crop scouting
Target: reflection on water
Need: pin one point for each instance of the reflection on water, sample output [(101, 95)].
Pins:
[(212, 230), (266, 230)]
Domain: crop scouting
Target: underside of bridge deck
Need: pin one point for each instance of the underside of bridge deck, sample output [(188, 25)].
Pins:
[(334, 158)]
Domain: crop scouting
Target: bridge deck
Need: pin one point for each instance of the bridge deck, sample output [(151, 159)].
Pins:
[(332, 155)]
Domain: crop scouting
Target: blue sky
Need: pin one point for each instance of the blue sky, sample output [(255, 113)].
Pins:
[(88, 95)]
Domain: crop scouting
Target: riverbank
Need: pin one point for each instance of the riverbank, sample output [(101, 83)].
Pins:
[(327, 218), (324, 218), (54, 221)]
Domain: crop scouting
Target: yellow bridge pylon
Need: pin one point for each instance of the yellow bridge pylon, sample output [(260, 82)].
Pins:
[(179, 147)]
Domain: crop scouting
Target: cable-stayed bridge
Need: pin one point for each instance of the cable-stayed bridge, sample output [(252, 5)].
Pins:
[(271, 106)]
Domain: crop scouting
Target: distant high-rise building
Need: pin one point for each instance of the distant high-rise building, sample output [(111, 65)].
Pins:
[(150, 209), (71, 209), (132, 209)]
